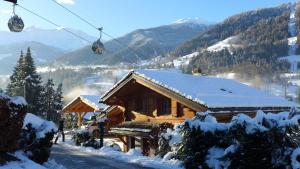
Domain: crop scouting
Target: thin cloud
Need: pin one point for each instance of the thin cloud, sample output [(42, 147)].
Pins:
[(5, 11), (66, 2)]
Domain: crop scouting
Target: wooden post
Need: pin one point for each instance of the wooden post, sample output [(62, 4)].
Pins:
[(145, 147), (130, 143), (126, 146), (79, 120), (173, 108)]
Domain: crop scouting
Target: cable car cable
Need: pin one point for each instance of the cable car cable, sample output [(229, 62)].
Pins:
[(97, 28), (51, 22)]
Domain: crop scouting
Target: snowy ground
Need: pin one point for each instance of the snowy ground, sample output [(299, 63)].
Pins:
[(107, 155), (224, 44), (75, 159), (26, 163)]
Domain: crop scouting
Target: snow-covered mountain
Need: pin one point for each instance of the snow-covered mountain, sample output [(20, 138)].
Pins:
[(192, 21), (51, 37), (140, 44)]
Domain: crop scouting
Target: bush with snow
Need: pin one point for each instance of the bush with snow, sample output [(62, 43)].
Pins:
[(12, 112), (295, 158), (36, 138), (81, 136), (265, 141)]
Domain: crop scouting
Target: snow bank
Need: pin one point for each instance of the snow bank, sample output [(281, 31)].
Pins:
[(42, 126), (295, 162), (25, 163)]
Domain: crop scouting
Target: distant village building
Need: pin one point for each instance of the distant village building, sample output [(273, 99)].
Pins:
[(145, 99)]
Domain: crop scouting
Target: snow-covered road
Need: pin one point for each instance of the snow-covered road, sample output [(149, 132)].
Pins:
[(75, 159)]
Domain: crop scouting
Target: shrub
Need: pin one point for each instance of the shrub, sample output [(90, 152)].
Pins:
[(266, 141), (12, 113), (36, 138), (81, 136), (92, 143), (37, 149)]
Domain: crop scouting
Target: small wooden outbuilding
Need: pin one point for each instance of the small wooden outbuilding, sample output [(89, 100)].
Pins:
[(83, 104)]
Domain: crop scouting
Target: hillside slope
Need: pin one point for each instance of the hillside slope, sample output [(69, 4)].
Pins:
[(41, 53), (138, 45), (231, 26), (249, 43)]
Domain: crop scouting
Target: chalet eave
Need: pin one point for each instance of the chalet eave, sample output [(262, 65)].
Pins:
[(79, 105)]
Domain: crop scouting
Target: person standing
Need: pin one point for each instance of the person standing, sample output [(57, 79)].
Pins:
[(60, 131)]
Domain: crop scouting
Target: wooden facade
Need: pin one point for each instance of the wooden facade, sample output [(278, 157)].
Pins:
[(141, 102), (145, 105)]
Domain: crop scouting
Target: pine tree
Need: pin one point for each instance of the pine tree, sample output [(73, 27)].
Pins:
[(16, 85), (58, 102), (33, 84), (27, 83), (48, 97)]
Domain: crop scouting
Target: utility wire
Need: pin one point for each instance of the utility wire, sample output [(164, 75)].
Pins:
[(97, 28), (51, 22)]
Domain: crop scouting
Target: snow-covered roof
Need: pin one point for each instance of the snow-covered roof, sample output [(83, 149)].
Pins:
[(93, 100), (211, 91)]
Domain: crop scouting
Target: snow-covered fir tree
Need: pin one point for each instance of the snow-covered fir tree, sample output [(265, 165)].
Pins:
[(52, 100), (48, 95), (15, 87), (58, 101), (27, 83)]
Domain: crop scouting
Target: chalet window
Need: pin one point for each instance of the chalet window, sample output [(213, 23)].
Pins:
[(165, 107), (147, 103), (138, 104), (143, 104)]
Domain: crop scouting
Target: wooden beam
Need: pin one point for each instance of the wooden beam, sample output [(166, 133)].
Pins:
[(122, 139), (174, 108)]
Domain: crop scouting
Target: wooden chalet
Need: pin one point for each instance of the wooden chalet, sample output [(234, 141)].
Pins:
[(144, 101), (82, 105)]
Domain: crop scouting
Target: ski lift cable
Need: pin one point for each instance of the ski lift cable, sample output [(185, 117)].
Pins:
[(95, 27), (51, 22)]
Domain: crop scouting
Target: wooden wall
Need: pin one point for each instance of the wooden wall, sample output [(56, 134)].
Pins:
[(149, 106)]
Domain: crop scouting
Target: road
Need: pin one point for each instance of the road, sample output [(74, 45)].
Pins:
[(75, 159)]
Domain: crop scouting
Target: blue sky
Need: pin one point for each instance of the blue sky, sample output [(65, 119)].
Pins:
[(122, 16)]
